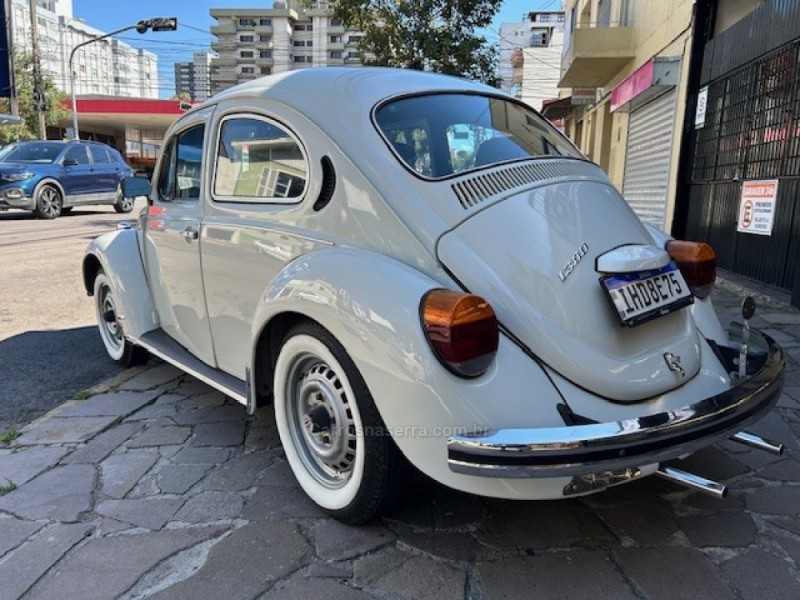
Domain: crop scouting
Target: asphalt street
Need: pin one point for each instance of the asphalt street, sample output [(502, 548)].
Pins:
[(49, 347)]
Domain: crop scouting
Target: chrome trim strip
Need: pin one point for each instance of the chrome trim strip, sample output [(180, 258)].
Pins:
[(597, 447)]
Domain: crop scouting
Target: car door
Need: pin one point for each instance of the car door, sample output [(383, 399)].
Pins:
[(172, 240), (76, 174), (105, 170)]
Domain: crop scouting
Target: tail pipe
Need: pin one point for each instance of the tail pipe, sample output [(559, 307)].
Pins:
[(694, 482), (755, 441)]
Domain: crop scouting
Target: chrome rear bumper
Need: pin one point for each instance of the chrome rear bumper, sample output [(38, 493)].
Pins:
[(650, 439)]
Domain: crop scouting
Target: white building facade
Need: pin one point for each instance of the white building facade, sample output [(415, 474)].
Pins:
[(530, 57), (256, 42), (193, 78), (109, 67)]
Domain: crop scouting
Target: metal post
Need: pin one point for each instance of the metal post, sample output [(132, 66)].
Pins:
[(38, 92)]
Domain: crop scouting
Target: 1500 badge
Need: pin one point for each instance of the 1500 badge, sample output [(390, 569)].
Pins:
[(573, 262)]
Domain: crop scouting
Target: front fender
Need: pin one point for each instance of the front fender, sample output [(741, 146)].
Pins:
[(370, 304), (117, 253)]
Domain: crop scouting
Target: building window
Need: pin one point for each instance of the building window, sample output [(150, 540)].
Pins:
[(336, 54), (248, 70), (266, 70), (246, 54), (265, 22), (336, 39), (246, 39), (265, 54), (299, 44), (540, 38), (543, 18), (561, 18), (264, 38), (301, 59), (354, 39), (336, 22), (351, 55), (247, 23)]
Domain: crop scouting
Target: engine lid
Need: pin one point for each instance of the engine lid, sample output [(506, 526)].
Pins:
[(534, 257)]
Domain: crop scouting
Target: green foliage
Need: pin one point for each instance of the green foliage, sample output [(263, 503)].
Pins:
[(82, 395), (432, 35), (7, 488), (9, 435), (23, 84)]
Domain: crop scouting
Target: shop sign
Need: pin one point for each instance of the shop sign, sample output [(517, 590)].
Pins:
[(757, 206), (584, 95)]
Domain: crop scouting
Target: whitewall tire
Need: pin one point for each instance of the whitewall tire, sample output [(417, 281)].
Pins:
[(105, 305)]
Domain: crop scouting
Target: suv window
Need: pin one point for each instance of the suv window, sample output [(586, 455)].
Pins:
[(99, 154), (438, 135), (180, 173), (259, 161), (77, 153)]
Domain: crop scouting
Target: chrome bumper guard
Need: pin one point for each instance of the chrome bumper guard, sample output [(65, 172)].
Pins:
[(584, 449)]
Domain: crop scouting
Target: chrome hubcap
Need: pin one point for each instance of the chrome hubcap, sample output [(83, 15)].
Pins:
[(321, 421), (110, 326), (126, 204)]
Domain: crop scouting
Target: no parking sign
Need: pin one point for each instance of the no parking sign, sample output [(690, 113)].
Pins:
[(757, 206)]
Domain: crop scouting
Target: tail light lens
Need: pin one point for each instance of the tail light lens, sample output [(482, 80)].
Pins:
[(698, 264), (462, 330)]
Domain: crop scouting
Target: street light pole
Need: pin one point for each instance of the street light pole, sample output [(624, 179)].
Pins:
[(157, 24)]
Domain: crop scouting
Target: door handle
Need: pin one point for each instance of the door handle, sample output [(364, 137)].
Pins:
[(189, 234)]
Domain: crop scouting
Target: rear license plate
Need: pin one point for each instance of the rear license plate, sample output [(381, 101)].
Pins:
[(645, 295)]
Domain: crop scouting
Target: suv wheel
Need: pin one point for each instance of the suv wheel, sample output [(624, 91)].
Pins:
[(48, 202), (123, 204)]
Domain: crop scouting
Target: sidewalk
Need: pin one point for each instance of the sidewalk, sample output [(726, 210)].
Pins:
[(159, 487)]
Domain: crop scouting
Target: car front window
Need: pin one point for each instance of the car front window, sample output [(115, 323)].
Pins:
[(439, 135), (34, 153)]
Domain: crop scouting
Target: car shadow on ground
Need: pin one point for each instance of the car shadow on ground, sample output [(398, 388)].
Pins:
[(41, 369)]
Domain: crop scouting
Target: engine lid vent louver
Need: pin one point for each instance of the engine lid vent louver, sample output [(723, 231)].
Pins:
[(476, 189)]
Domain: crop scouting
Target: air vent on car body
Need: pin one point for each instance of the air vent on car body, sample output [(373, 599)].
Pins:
[(474, 190)]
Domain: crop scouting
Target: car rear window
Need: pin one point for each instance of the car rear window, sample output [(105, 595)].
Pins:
[(439, 135)]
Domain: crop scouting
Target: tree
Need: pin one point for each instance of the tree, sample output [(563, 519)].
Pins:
[(23, 84), (434, 35)]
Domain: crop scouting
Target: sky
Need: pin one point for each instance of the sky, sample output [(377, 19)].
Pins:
[(194, 22)]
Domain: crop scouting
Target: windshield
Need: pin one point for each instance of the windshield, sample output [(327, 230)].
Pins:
[(33, 153), (439, 135)]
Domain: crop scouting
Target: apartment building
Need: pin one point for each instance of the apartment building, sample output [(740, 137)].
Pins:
[(255, 42), (530, 57), (193, 78), (109, 67)]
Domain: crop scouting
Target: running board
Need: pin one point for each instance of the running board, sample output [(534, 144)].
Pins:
[(161, 345), (757, 442), (694, 482)]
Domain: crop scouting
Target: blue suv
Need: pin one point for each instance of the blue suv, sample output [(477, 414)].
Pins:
[(52, 177)]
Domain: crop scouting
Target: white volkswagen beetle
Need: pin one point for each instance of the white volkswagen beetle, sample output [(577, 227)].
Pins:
[(416, 269)]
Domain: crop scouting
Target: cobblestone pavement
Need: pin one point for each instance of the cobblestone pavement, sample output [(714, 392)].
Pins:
[(160, 488)]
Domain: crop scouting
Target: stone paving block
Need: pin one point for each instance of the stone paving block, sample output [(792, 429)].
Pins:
[(14, 532), (278, 475), (722, 529), (712, 462), (210, 506), (104, 444), (55, 430), (759, 574), (112, 404), (784, 470), (208, 399), (793, 391), (161, 436), (780, 318), (121, 472), (790, 544), (202, 456), (154, 411), (774, 428), (336, 541), (775, 500), (226, 433), (329, 571), (60, 494), (674, 573), (151, 513), (27, 564), (574, 575), (218, 414), (106, 567), (459, 547), (239, 473), (276, 502), (779, 336), (25, 464), (409, 576), (648, 522), (179, 479), (539, 525), (262, 436), (314, 589), (190, 386), (245, 563), (151, 378)]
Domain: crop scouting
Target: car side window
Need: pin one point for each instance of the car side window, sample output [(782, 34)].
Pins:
[(99, 154), (77, 153), (180, 174), (258, 161)]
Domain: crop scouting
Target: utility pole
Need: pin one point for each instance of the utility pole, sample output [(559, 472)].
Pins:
[(39, 98)]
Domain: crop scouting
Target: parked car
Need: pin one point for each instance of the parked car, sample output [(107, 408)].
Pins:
[(419, 270), (50, 178)]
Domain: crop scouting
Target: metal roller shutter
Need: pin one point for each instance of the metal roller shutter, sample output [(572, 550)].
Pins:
[(647, 160)]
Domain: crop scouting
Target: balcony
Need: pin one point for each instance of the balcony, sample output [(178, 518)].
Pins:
[(335, 46), (224, 61), (334, 29), (223, 29), (596, 54), (264, 62), (264, 29)]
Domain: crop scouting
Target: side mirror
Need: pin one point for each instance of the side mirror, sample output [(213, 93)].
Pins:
[(133, 187), (70, 162)]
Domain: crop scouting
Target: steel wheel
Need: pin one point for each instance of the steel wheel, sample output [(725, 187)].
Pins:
[(48, 202), (334, 439), (123, 204), (108, 323)]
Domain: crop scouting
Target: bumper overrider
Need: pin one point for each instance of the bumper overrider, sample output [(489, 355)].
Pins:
[(597, 447)]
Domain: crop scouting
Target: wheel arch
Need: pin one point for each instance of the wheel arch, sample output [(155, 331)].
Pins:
[(91, 267), (55, 183)]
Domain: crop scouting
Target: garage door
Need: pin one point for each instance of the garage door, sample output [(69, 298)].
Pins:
[(647, 160)]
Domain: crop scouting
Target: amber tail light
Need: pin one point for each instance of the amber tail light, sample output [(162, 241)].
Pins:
[(462, 330), (698, 264)]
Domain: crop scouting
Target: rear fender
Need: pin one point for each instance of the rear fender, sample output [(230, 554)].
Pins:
[(370, 303), (117, 253)]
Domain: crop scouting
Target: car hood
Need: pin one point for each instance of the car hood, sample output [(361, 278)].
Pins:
[(517, 254), (10, 167)]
